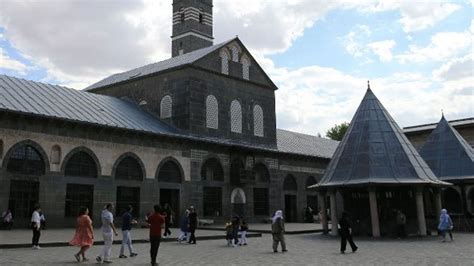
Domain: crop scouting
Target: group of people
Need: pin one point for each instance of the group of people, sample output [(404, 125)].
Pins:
[(232, 229), (188, 225)]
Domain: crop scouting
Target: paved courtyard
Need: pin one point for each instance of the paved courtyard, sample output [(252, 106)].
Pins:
[(309, 249)]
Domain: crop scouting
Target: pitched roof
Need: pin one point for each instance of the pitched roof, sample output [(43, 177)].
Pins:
[(297, 143), (448, 154), (454, 123), (57, 102), (375, 151), (170, 63)]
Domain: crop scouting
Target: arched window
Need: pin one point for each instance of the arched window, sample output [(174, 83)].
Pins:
[(235, 53), (258, 121), (289, 184), (55, 154), (212, 170), (224, 62), (81, 164), (170, 172), (245, 68), (129, 169), (261, 173), (235, 117), (452, 200), (212, 112), (311, 181), (166, 106), (25, 159)]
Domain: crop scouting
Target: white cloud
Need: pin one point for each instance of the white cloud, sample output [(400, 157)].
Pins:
[(11, 64), (383, 49), (456, 69), (443, 45), (354, 41), (419, 15)]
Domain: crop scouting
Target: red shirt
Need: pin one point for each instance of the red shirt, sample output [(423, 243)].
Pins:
[(155, 221)]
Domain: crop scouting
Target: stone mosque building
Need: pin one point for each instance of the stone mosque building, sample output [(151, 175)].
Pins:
[(196, 129)]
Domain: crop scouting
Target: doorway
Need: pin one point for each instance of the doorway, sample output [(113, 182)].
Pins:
[(24, 195), (171, 196), (290, 208)]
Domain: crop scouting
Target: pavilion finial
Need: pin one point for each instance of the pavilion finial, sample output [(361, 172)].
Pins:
[(442, 113), (368, 84)]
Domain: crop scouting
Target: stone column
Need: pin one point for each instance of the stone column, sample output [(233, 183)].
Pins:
[(322, 206), (464, 200), (334, 222), (437, 202), (420, 212), (374, 213)]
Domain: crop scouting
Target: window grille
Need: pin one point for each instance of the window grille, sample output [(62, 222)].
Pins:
[(235, 53), (224, 62), (78, 196), (260, 201), (212, 199), (26, 160), (212, 112), (127, 196), (129, 169), (212, 170), (166, 107), (24, 195), (235, 117), (258, 121), (81, 164), (245, 68), (170, 172)]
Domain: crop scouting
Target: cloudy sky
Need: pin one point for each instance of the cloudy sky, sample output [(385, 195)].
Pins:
[(418, 55)]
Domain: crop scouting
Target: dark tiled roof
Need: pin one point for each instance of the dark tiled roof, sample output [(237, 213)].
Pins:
[(375, 151), (292, 142), (454, 123), (57, 102), (173, 62), (448, 154)]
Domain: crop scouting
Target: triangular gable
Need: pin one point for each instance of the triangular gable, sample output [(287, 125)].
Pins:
[(375, 151), (215, 57), (448, 154)]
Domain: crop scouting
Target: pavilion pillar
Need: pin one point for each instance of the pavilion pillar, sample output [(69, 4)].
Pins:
[(464, 200), (323, 208), (437, 202), (374, 214), (334, 222), (420, 211)]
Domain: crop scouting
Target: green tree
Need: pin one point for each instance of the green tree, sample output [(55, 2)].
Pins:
[(337, 132)]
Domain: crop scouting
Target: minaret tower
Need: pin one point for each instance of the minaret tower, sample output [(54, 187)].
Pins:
[(192, 26)]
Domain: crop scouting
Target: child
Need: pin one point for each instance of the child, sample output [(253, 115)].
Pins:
[(243, 233), (229, 234)]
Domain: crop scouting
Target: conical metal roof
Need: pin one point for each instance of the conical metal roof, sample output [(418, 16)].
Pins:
[(375, 151), (448, 154)]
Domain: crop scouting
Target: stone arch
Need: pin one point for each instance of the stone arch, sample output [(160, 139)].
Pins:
[(311, 180), (56, 154), (35, 146), (262, 175), (166, 107), (238, 196), (235, 117), (212, 170), (289, 184), (170, 171), (78, 150), (129, 156), (452, 200), (225, 56)]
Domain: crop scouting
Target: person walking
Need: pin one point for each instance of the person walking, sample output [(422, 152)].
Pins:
[(445, 225), (184, 227), (7, 220), (36, 226), (235, 229), (244, 227), (192, 224), (278, 231), (108, 232), (127, 222), (43, 220), (156, 222), (346, 233), (168, 213), (84, 236), (401, 222)]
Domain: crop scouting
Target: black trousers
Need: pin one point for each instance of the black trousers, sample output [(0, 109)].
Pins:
[(167, 229), (36, 236), (346, 236), (154, 246), (192, 238), (401, 230)]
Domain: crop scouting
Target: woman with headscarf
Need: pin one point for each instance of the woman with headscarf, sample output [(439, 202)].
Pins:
[(445, 224), (346, 233), (278, 231)]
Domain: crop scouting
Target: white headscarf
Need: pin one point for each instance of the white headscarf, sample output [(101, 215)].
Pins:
[(278, 214)]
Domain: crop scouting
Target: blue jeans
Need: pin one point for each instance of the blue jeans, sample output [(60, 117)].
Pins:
[(127, 240)]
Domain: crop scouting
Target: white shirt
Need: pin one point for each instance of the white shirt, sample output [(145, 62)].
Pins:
[(107, 220), (35, 218), (7, 217)]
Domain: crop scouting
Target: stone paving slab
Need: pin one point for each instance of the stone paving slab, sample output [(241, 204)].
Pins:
[(290, 228), (60, 237), (310, 249)]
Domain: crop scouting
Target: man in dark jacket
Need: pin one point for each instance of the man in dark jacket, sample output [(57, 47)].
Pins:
[(192, 224), (346, 233), (235, 229)]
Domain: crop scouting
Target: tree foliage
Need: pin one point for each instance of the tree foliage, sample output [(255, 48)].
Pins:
[(337, 132)]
